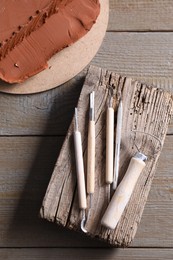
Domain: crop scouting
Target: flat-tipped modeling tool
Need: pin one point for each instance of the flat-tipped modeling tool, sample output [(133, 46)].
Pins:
[(91, 149), (109, 144)]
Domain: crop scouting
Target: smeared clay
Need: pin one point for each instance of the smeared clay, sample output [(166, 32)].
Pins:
[(31, 34)]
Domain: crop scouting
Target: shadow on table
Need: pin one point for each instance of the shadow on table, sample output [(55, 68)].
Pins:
[(27, 229)]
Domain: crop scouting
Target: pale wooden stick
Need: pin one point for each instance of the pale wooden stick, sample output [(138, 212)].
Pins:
[(79, 166), (91, 158), (91, 149), (123, 193), (109, 145)]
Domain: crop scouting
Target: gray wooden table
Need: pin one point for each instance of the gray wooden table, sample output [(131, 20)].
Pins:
[(139, 43)]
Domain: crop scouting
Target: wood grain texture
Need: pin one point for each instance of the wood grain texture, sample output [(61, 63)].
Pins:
[(27, 162), (92, 254), (47, 113), (160, 199), (140, 15), (26, 168), (147, 109), (146, 57)]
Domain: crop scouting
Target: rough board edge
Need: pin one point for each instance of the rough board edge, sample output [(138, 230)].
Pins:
[(55, 208)]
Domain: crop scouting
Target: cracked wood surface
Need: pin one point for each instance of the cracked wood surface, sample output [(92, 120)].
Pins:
[(143, 56), (26, 168), (146, 109), (30, 146)]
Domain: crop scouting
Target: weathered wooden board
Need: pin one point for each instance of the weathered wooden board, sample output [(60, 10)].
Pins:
[(143, 56), (23, 183), (26, 162), (92, 254), (141, 15), (146, 57), (26, 167), (146, 109)]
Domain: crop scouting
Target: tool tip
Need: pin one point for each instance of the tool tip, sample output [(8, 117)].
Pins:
[(109, 192), (111, 101), (92, 95), (83, 222), (92, 105), (76, 119), (114, 185)]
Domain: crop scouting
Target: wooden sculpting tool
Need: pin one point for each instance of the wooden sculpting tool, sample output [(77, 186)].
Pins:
[(80, 172), (117, 144), (109, 145), (125, 189), (123, 192), (91, 149)]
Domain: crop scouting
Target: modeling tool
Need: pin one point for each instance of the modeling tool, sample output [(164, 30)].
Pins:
[(117, 144), (125, 189), (109, 144), (80, 172), (91, 149), (123, 192)]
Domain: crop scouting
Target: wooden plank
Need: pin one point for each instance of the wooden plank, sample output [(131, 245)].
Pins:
[(47, 113), (160, 199), (26, 167), (146, 109), (142, 56), (146, 57), (92, 254), (140, 15)]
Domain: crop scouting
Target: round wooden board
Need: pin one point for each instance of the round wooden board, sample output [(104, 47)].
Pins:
[(66, 64)]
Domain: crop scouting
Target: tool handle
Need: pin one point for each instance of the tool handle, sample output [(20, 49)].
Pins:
[(117, 145), (109, 144), (80, 170), (91, 158), (123, 193)]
